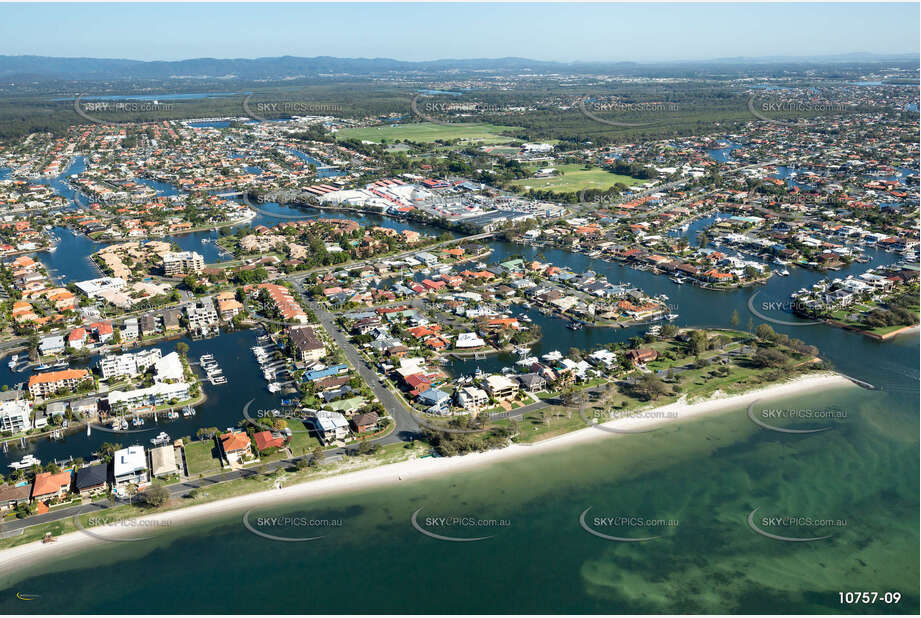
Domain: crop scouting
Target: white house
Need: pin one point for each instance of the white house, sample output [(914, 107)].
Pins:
[(130, 466)]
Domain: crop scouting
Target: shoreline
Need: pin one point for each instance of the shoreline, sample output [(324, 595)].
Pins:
[(377, 477)]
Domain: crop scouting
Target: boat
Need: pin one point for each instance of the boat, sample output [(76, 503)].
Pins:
[(26, 462), (188, 411), (137, 421), (574, 326), (162, 439), (782, 273), (13, 360), (172, 415), (60, 365), (274, 387), (671, 317)]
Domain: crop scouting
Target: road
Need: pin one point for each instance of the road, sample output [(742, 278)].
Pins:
[(407, 428)]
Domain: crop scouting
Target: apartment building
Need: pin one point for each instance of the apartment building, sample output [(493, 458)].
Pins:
[(182, 263), (43, 384)]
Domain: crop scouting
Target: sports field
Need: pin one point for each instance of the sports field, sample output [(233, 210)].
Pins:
[(427, 132), (575, 178)]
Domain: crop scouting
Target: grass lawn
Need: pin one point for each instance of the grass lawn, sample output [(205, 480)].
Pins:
[(202, 458), (428, 132), (301, 441), (576, 178)]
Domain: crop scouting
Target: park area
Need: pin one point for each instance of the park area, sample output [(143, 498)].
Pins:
[(429, 132), (574, 177)]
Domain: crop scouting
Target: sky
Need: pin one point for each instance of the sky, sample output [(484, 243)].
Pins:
[(562, 32)]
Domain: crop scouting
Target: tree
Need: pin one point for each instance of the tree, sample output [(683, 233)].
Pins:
[(132, 491), (651, 386), (734, 318), (574, 354), (698, 342), (765, 332), (155, 495), (182, 348), (317, 455), (769, 357)]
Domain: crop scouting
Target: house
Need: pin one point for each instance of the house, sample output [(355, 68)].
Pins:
[(49, 383), (532, 382), (53, 344), (365, 422), (501, 387), (49, 485), (642, 356), (266, 440), (129, 466), (472, 398), (92, 480), (170, 319), (148, 325), (331, 426), (77, 338), (163, 461), (236, 446), (435, 401), (15, 415), (227, 305), (13, 495), (309, 346)]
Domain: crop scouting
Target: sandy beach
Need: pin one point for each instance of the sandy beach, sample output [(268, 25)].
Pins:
[(68, 544)]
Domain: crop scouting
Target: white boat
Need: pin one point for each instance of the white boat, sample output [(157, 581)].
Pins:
[(161, 439), (188, 411), (26, 462), (138, 421), (671, 316), (172, 415), (274, 387), (13, 360)]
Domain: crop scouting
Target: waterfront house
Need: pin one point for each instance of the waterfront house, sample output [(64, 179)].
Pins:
[(532, 382), (642, 356), (308, 344), (129, 465), (163, 461), (500, 387), (49, 485), (267, 439), (435, 401), (471, 398), (15, 415), (13, 495), (236, 446), (92, 480), (53, 344)]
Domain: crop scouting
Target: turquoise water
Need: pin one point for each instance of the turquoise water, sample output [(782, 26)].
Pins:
[(705, 475)]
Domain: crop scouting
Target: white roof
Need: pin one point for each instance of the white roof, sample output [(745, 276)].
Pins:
[(329, 421), (169, 368), (129, 460)]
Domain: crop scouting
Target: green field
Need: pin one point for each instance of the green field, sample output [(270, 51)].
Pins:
[(576, 178), (428, 132), (202, 457)]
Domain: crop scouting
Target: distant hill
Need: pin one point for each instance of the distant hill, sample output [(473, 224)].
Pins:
[(39, 68)]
